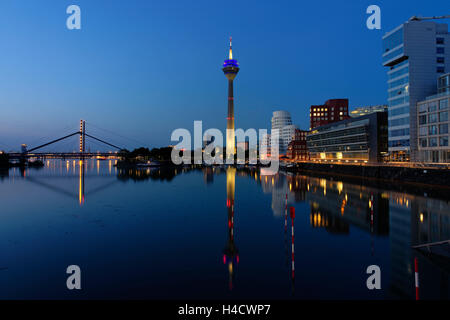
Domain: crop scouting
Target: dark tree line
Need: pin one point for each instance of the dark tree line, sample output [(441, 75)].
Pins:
[(4, 160), (160, 154)]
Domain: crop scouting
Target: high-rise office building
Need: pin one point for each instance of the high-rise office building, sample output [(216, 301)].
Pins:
[(282, 121), (416, 53), (333, 110), (230, 69)]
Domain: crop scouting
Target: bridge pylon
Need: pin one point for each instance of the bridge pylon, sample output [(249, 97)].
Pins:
[(82, 135)]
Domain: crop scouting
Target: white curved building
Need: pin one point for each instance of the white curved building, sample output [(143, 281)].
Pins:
[(282, 121)]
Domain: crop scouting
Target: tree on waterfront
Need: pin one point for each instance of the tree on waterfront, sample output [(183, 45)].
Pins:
[(4, 159)]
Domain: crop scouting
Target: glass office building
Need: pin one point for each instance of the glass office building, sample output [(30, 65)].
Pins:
[(416, 53)]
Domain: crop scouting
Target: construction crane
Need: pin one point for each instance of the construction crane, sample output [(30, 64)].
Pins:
[(415, 18)]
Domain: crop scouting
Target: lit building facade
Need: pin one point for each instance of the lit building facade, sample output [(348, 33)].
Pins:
[(362, 111), (433, 122), (282, 121), (416, 53), (332, 111), (362, 139), (297, 148)]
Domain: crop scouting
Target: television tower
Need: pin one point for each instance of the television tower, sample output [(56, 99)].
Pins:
[(230, 69)]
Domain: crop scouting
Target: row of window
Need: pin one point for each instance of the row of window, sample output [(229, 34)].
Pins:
[(433, 130), (399, 132), (436, 156), (398, 111), (398, 73), (393, 40), (400, 64), (399, 82), (338, 141), (341, 156), (337, 134), (434, 117), (398, 92), (326, 119), (326, 114), (326, 109), (336, 148), (393, 54), (399, 143), (298, 147), (399, 101), (433, 142), (399, 122), (432, 106)]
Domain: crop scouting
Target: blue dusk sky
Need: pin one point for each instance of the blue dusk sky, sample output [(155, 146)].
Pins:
[(144, 68)]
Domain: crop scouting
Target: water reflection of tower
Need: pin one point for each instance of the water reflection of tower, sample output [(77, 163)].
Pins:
[(292, 215), (230, 253), (81, 183), (208, 175)]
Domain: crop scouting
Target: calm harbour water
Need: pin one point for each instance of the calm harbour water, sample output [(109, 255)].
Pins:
[(212, 233)]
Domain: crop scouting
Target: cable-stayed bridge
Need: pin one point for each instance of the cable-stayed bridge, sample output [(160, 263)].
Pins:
[(35, 152)]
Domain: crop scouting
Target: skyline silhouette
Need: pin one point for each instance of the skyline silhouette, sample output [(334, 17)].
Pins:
[(129, 68)]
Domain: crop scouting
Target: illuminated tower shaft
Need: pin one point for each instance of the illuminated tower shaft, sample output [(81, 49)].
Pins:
[(82, 135), (230, 119), (230, 69)]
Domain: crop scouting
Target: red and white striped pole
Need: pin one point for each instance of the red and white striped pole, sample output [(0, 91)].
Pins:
[(292, 213), (416, 277)]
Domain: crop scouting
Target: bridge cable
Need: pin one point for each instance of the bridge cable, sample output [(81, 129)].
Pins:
[(109, 144), (51, 142), (53, 133), (119, 135)]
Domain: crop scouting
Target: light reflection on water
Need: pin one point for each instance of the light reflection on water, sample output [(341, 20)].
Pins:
[(212, 233)]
